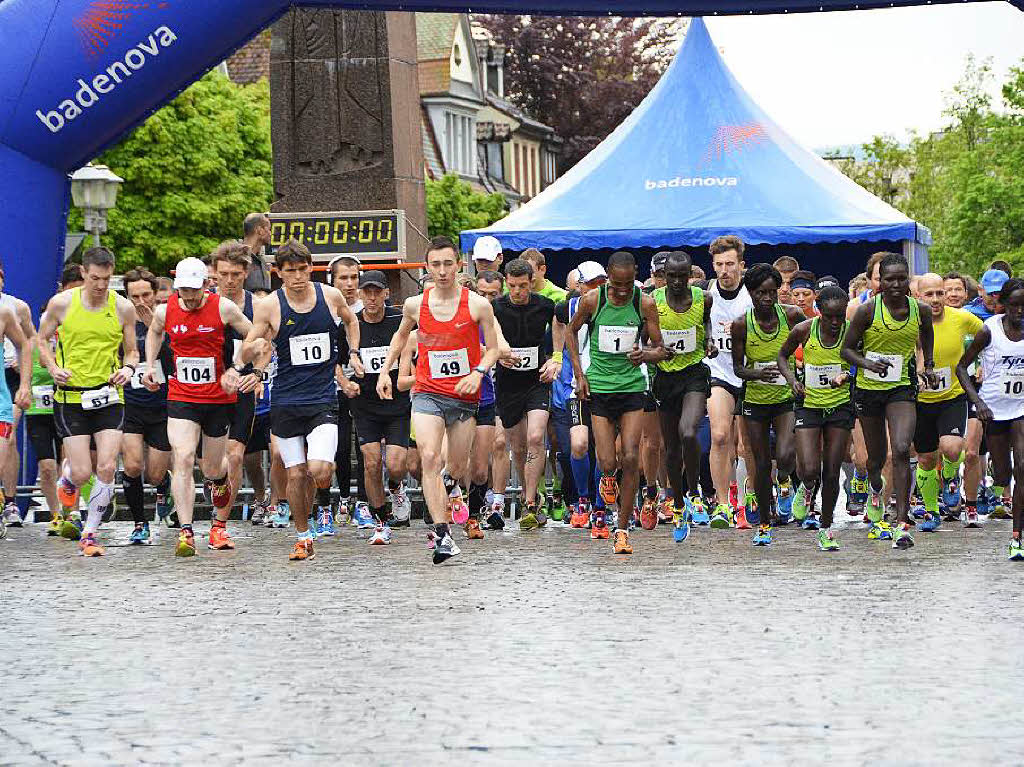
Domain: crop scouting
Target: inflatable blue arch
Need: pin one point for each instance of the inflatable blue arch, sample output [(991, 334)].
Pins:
[(76, 75)]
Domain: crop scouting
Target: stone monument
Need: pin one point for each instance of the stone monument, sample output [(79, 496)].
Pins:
[(345, 116)]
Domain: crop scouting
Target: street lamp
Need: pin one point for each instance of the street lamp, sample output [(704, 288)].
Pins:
[(94, 190)]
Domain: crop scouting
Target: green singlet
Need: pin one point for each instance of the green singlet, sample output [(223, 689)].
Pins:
[(42, 388), (764, 350), (886, 337), (682, 332), (88, 344), (822, 364), (614, 331)]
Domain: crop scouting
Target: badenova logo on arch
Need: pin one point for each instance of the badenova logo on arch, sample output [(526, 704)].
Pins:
[(90, 92), (689, 181)]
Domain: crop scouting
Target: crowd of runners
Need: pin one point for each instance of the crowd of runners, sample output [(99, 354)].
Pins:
[(748, 400)]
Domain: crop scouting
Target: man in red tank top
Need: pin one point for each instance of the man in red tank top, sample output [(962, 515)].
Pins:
[(200, 393), (449, 370)]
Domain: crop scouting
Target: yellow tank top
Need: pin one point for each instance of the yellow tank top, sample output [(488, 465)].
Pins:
[(88, 344)]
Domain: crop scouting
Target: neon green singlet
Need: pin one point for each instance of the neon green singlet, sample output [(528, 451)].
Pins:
[(822, 364), (888, 337), (682, 332), (88, 344), (614, 330), (42, 388), (763, 350)]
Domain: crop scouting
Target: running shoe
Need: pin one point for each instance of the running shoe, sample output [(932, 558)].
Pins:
[(473, 531), (280, 516), (259, 513), (621, 545), (445, 549), (858, 496), (720, 517), (1000, 509), (88, 547), (800, 504), (812, 521), (140, 535), (984, 502), (599, 526), (1015, 551), (609, 490), (951, 492), (71, 528), (326, 521), (580, 514), (901, 537), (165, 510), (569, 514), (666, 511), (734, 494), (12, 517), (827, 541), (312, 527), (342, 516), (362, 516), (874, 509), (750, 507), (67, 493), (680, 524), (919, 511), (763, 536), (186, 544), (784, 501), (698, 511), (558, 509), (496, 519), (649, 514), (401, 506), (3, 528), (381, 536), (972, 519), (741, 519), (949, 514), (880, 531), (930, 524), (529, 519), (220, 540), (54, 527), (302, 551), (459, 511)]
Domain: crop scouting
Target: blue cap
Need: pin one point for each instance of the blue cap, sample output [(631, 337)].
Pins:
[(993, 280)]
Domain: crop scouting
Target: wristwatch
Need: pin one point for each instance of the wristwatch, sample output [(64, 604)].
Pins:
[(481, 370)]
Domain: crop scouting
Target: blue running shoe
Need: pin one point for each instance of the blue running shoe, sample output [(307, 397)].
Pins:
[(140, 535), (326, 526), (1015, 552), (985, 499), (363, 518), (812, 522), (281, 516), (919, 511), (763, 536), (697, 511), (312, 527), (930, 524), (784, 500), (680, 522), (951, 492)]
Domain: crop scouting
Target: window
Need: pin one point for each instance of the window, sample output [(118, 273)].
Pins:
[(518, 183), (460, 143)]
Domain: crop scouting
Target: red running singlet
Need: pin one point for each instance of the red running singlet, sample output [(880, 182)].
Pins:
[(197, 341), (446, 351)]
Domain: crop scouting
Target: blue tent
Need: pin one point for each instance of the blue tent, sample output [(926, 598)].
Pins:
[(698, 159)]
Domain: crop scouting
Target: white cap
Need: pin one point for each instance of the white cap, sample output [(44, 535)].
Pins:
[(486, 249), (190, 273), (590, 271)]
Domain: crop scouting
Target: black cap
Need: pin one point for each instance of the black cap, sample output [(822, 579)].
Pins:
[(374, 277), (826, 281), (659, 261)]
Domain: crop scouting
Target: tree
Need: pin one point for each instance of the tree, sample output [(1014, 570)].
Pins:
[(453, 206), (580, 75), (192, 171), (884, 171)]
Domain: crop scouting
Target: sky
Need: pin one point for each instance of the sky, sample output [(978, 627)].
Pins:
[(837, 79)]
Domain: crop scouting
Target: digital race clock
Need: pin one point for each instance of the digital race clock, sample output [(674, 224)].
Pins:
[(369, 234)]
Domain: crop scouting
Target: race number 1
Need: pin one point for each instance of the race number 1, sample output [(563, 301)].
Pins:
[(616, 339)]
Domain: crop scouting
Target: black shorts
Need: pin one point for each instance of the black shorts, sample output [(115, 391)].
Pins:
[(841, 416), (242, 418), (670, 388), (150, 422), (735, 391), (512, 406), (213, 417), (939, 419), (757, 412), (614, 406), (1000, 428), (300, 420), (485, 415), (579, 412), (650, 404), (872, 402), (259, 440), (372, 428), (74, 421), (42, 433)]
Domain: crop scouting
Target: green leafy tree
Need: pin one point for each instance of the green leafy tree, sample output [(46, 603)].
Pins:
[(454, 206), (192, 171)]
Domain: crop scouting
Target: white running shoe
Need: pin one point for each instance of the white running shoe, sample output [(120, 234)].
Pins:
[(381, 536), (401, 506)]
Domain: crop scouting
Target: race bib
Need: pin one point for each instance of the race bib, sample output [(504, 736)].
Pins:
[(140, 371), (448, 364), (95, 399), (680, 341), (42, 397), (945, 376), (616, 339), (374, 358), (778, 380), (1012, 380), (310, 349), (893, 374), (821, 376), (525, 358), (196, 371)]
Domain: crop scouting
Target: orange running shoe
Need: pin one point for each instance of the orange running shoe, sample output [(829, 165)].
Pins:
[(622, 542), (649, 514), (67, 494), (599, 526), (609, 490), (473, 531), (220, 540), (303, 550), (88, 547), (741, 519)]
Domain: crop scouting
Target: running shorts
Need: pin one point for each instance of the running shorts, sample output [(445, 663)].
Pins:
[(485, 416), (259, 440), (42, 433), (74, 421), (670, 388), (243, 417), (301, 420), (872, 403), (939, 419), (371, 429), (841, 416), (512, 406), (765, 412), (614, 406), (150, 422), (213, 417), (451, 409), (579, 412)]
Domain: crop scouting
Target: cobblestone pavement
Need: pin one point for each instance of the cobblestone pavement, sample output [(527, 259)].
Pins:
[(534, 647)]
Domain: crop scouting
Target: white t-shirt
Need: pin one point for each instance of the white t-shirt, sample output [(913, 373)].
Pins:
[(1002, 368), (723, 312)]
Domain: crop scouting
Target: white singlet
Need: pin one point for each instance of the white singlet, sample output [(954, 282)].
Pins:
[(723, 312), (1002, 368), (10, 350)]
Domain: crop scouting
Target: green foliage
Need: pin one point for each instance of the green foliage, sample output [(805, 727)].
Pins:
[(192, 171), (453, 206)]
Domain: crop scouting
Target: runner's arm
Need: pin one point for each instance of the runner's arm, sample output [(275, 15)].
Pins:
[(154, 341), (52, 317), (24, 319), (410, 311), (927, 341), (584, 309), (13, 330), (256, 345), (484, 316), (797, 336), (738, 333), (554, 364), (406, 370), (711, 350), (981, 339), (129, 351), (855, 334), (655, 349)]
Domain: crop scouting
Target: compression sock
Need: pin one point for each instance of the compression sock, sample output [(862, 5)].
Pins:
[(164, 488), (99, 499), (441, 530), (581, 475), (652, 492), (928, 486), (380, 513), (477, 499), (997, 491), (741, 476), (951, 468), (87, 487), (323, 496), (133, 493)]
